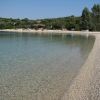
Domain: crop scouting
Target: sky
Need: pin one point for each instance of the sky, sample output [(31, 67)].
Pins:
[(40, 9)]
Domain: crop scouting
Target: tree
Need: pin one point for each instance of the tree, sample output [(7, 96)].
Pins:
[(86, 19), (71, 22), (96, 16)]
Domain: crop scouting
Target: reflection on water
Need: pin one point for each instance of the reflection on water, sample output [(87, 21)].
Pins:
[(40, 67)]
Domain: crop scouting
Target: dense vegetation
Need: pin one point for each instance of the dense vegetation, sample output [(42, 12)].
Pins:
[(89, 20)]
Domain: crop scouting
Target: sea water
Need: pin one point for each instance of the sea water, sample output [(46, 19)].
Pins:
[(40, 67)]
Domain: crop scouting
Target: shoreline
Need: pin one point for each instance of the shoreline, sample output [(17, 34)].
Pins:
[(47, 31), (86, 85)]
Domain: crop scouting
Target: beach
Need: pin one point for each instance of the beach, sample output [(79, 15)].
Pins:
[(86, 85), (45, 31)]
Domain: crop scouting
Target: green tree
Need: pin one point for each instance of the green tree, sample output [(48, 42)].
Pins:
[(86, 19), (96, 16)]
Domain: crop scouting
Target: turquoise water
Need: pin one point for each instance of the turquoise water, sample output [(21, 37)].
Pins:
[(40, 67)]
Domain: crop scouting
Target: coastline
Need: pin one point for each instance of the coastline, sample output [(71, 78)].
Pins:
[(45, 31), (86, 85)]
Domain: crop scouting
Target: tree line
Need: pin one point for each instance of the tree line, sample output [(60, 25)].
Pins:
[(89, 20)]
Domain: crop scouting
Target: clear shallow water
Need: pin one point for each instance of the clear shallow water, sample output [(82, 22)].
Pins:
[(34, 67)]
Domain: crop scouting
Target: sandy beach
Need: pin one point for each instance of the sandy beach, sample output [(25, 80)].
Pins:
[(86, 86), (48, 31)]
